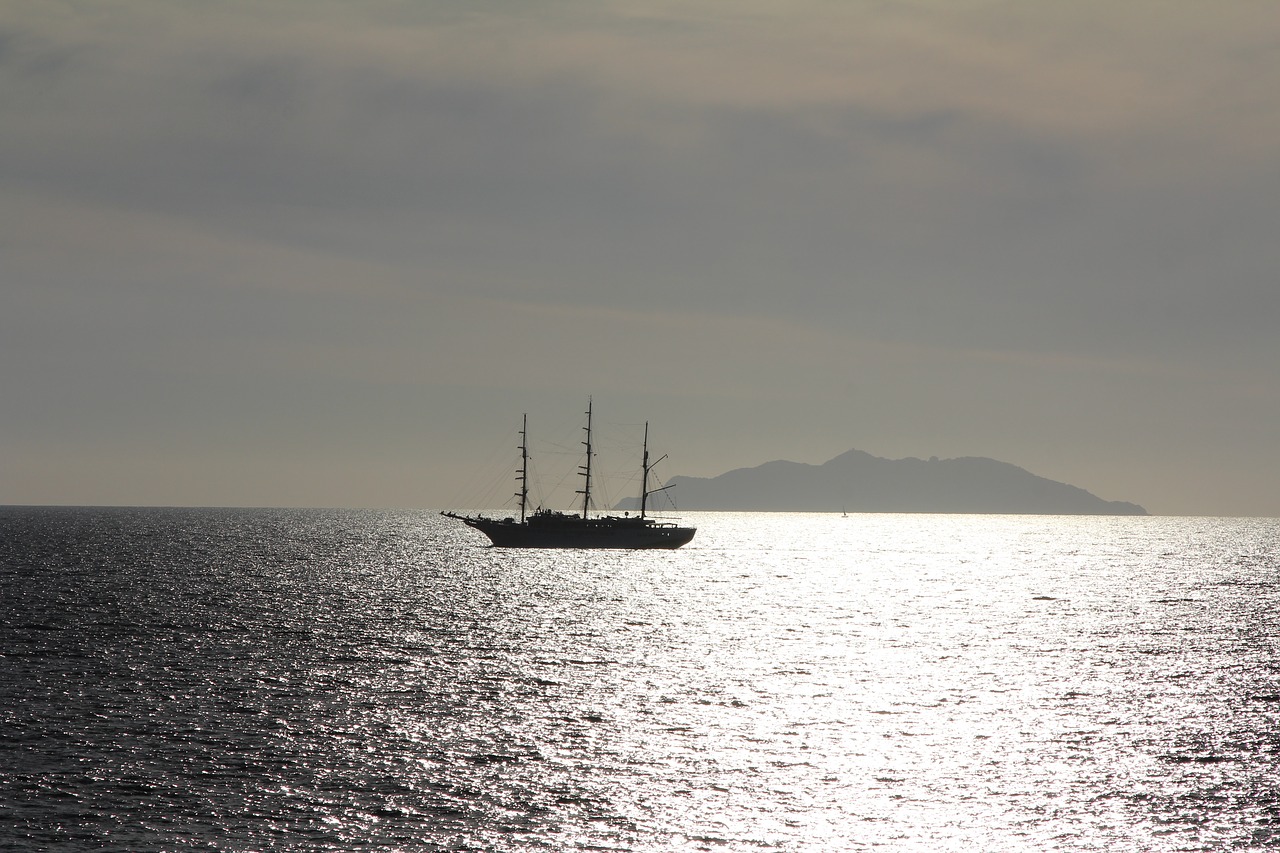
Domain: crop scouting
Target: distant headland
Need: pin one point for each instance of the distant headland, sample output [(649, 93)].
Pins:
[(859, 482)]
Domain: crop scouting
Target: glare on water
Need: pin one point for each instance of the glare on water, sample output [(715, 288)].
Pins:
[(345, 680)]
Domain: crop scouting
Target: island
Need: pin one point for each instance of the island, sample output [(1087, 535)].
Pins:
[(859, 482)]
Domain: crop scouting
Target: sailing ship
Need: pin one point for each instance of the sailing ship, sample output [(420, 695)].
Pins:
[(544, 528)]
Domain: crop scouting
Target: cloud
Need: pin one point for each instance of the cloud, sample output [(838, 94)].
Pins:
[(252, 195)]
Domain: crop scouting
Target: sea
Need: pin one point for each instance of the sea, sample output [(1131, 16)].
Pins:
[(338, 680)]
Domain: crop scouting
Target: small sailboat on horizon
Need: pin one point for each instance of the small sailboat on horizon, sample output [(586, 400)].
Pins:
[(546, 528)]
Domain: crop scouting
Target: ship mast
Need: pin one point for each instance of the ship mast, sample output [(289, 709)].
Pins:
[(522, 476), (644, 477), (586, 469)]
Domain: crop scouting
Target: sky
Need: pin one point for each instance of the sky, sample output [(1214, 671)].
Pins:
[(327, 253)]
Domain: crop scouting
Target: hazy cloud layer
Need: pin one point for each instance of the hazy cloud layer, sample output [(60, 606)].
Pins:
[(319, 253)]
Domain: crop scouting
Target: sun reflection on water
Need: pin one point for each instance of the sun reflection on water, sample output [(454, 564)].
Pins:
[(381, 681), (933, 681)]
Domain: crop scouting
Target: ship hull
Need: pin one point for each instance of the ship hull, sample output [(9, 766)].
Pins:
[(576, 532)]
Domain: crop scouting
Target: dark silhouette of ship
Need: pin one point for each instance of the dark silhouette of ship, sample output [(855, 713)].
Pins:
[(546, 528)]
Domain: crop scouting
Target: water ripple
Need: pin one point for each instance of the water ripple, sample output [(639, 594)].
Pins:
[(335, 680)]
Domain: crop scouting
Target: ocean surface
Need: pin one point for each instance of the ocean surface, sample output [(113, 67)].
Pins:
[(227, 679)]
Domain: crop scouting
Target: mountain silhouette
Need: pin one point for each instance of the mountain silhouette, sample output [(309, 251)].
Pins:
[(859, 482)]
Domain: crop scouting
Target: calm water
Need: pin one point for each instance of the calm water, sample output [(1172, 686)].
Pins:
[(341, 680)]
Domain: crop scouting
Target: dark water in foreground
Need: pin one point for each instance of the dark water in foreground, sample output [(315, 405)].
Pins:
[(344, 680)]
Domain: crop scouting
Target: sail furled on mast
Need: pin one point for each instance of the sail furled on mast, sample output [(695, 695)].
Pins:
[(522, 476), (586, 467)]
